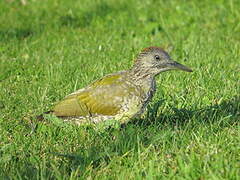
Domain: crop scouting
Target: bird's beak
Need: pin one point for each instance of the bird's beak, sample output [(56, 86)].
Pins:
[(176, 65)]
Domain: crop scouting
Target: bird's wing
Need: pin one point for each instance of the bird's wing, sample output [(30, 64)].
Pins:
[(103, 97)]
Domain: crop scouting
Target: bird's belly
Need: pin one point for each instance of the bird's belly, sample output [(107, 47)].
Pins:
[(78, 120), (130, 109)]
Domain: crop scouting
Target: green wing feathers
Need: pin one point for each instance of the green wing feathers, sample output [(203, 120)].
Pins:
[(103, 97), (71, 106)]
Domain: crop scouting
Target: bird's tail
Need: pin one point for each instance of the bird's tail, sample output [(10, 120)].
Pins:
[(41, 116), (34, 125)]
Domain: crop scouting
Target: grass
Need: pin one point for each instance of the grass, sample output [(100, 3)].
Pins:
[(51, 48)]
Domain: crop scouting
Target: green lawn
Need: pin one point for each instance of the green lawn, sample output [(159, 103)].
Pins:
[(50, 48)]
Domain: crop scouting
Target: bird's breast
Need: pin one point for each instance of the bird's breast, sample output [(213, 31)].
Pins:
[(149, 93)]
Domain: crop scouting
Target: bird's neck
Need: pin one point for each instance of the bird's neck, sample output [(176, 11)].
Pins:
[(143, 78)]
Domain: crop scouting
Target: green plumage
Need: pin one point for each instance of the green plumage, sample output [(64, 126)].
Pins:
[(110, 96)]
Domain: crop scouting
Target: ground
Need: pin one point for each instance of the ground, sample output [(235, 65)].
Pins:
[(50, 48)]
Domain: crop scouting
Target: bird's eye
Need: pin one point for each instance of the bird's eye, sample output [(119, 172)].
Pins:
[(157, 57)]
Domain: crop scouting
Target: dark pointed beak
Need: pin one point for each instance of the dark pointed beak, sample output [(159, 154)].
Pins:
[(176, 65)]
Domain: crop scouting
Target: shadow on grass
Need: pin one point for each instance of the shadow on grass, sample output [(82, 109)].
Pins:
[(80, 21), (120, 143), (114, 144), (17, 33), (71, 21), (226, 109)]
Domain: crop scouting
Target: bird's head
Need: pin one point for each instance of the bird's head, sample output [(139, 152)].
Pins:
[(154, 60)]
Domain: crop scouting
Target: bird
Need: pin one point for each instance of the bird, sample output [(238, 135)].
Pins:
[(121, 96)]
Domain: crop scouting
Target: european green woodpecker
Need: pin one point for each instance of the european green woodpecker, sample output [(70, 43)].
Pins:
[(120, 96)]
